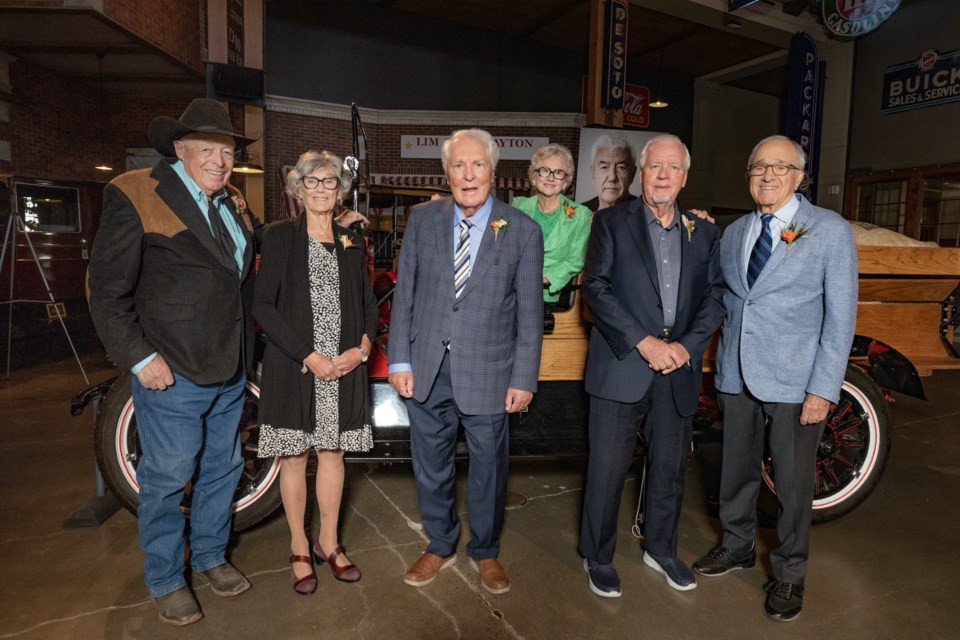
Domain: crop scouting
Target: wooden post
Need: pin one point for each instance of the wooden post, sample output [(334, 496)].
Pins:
[(597, 114), (253, 115)]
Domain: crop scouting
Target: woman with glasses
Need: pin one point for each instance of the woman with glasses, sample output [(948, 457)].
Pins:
[(314, 303), (565, 223)]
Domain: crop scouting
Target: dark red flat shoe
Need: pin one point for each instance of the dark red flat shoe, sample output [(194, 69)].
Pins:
[(307, 584), (349, 573)]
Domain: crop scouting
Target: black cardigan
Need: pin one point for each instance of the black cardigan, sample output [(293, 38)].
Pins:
[(281, 306)]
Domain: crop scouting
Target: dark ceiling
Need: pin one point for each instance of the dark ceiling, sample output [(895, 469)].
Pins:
[(695, 38)]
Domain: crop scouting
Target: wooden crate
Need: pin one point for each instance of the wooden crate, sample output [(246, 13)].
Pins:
[(902, 290)]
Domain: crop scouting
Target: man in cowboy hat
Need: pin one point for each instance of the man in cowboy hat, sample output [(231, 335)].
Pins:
[(171, 288)]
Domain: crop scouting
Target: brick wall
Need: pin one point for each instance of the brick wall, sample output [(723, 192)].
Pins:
[(55, 125), (288, 135), (172, 25)]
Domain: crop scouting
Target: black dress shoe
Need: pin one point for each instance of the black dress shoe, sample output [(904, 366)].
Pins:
[(720, 561), (784, 600)]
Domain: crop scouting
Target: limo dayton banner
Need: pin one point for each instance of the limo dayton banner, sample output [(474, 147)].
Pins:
[(932, 79)]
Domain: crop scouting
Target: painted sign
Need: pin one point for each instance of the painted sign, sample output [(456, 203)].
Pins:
[(636, 106), (511, 147), (805, 77), (931, 79), (614, 54), (853, 18)]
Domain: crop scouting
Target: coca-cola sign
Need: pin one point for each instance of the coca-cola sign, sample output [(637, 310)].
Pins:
[(636, 106)]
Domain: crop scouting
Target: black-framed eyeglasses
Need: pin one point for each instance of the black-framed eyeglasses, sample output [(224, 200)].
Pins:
[(546, 172), (331, 182), (778, 169)]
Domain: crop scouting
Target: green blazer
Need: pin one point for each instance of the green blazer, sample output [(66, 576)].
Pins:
[(565, 250)]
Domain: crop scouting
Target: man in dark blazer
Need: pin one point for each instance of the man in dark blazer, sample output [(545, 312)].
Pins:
[(790, 270), (171, 289), (465, 338), (652, 284)]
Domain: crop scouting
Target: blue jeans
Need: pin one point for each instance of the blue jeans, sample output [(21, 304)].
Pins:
[(184, 429)]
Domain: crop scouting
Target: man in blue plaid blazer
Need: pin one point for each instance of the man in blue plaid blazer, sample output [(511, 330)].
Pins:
[(465, 349)]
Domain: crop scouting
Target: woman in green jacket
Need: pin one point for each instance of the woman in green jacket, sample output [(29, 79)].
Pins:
[(565, 223)]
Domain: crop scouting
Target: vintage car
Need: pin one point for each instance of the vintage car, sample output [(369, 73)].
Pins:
[(906, 318)]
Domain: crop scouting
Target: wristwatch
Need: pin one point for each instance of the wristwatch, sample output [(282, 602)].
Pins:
[(363, 354)]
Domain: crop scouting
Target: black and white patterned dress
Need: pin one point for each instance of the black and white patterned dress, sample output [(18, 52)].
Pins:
[(324, 276)]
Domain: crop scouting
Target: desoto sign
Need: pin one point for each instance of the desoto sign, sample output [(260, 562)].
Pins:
[(852, 18), (931, 79)]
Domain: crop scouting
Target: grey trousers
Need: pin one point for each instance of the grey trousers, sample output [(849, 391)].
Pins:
[(794, 450)]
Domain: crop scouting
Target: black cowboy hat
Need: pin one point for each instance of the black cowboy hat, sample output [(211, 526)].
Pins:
[(203, 115)]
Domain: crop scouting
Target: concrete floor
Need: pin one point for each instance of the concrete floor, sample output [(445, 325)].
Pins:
[(888, 570)]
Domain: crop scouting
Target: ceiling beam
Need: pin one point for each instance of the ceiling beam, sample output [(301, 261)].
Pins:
[(686, 34), (553, 14), (64, 48)]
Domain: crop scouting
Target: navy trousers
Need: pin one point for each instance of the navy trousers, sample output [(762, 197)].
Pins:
[(434, 424)]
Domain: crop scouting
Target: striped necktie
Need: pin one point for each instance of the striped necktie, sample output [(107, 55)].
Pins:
[(761, 251), (461, 258)]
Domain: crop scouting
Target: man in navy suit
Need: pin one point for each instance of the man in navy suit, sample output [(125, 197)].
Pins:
[(652, 284), (465, 338), (790, 270)]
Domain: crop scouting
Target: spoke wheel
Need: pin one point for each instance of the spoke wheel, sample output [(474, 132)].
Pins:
[(853, 451), (118, 454)]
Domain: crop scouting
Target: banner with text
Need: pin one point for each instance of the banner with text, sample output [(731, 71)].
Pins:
[(511, 147)]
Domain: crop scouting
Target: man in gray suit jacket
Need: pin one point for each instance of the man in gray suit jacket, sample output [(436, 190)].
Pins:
[(465, 337), (652, 283), (791, 274)]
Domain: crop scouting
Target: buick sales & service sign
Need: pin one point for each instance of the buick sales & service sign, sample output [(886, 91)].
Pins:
[(931, 79)]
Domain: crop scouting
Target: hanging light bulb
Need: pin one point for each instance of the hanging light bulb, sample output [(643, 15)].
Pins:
[(244, 164), (659, 102), (103, 166)]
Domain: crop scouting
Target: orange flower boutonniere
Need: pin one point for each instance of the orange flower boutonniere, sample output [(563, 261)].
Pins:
[(345, 241), (793, 234), (570, 211), (497, 225)]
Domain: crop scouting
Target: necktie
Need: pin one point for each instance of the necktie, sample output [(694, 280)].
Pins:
[(461, 258), (220, 233), (761, 251)]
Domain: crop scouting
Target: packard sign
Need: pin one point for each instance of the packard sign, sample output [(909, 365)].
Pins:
[(852, 18), (931, 79)]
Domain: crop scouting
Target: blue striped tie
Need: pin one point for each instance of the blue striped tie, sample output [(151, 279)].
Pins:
[(461, 258), (761, 251)]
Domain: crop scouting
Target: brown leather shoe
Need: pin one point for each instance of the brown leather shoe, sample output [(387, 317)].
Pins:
[(492, 575), (426, 568)]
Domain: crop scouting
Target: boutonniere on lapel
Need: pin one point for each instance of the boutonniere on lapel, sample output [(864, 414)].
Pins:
[(240, 204), (345, 241), (570, 211), (689, 225), (793, 234), (497, 225)]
